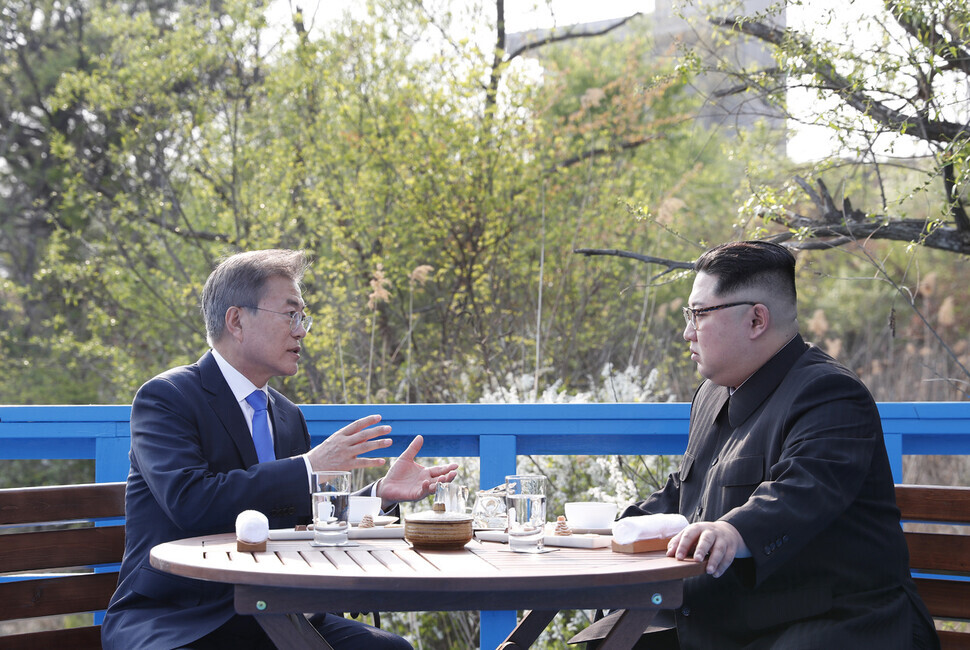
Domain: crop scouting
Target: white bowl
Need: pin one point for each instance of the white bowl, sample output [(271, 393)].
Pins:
[(360, 506), (590, 514)]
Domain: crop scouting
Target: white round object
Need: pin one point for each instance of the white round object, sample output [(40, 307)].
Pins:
[(252, 527)]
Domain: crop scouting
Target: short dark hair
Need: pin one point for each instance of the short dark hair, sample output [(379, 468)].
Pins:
[(750, 264), (239, 279)]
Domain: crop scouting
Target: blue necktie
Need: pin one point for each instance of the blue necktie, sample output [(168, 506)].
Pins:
[(261, 436)]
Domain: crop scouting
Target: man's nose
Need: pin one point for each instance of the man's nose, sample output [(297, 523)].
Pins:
[(690, 334)]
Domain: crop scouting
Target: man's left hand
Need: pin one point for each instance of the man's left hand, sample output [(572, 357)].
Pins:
[(717, 541), (406, 480)]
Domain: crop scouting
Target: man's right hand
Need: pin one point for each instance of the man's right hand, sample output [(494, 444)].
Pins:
[(341, 450)]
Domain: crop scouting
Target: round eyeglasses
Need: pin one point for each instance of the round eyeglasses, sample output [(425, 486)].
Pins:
[(690, 315), (297, 320)]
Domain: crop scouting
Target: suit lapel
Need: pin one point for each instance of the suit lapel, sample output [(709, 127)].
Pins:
[(279, 426), (226, 408)]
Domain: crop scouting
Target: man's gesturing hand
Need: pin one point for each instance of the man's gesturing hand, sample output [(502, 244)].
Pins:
[(717, 541), (406, 480), (341, 450)]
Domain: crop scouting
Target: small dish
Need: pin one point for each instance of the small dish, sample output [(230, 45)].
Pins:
[(381, 520)]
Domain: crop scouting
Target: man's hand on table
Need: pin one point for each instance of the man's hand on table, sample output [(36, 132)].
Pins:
[(406, 480), (718, 541)]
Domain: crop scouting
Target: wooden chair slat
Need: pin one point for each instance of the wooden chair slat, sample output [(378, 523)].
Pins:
[(62, 502), (57, 549), (75, 638), (938, 552), (953, 640), (50, 596), (934, 503), (945, 598)]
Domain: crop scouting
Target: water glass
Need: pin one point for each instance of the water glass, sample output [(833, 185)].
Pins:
[(331, 505), (525, 500), (452, 495)]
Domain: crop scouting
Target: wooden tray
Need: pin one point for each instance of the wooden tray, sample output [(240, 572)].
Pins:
[(642, 546)]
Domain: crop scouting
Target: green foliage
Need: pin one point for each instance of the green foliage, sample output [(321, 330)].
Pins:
[(378, 162)]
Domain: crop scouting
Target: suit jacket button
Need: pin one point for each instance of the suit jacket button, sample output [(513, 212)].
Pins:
[(685, 611)]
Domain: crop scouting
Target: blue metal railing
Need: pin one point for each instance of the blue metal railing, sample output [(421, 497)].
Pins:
[(495, 433)]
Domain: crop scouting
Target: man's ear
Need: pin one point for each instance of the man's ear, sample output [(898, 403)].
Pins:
[(234, 326), (760, 320)]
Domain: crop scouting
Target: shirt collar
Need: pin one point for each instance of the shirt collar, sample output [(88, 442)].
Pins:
[(240, 386), (756, 388)]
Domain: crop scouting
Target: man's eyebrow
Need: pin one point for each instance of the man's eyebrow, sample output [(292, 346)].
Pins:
[(293, 302)]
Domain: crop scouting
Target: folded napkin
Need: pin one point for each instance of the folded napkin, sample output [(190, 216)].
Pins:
[(252, 527), (632, 529)]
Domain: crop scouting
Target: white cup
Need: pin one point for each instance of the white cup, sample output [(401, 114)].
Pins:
[(360, 506)]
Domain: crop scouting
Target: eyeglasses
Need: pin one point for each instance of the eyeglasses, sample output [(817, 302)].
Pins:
[(690, 315), (297, 319)]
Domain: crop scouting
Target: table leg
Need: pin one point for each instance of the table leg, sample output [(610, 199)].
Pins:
[(628, 629), (528, 629), (292, 631)]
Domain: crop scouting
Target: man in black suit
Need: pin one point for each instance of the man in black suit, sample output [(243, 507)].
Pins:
[(785, 482), (195, 464)]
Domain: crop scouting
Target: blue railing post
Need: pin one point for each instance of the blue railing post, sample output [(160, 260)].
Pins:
[(111, 456), (894, 448), (498, 453)]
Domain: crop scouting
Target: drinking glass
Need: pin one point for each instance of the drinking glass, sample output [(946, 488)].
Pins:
[(331, 505), (452, 495), (525, 500)]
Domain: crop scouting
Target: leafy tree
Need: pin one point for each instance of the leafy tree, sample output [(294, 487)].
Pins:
[(890, 90), (899, 92), (380, 163)]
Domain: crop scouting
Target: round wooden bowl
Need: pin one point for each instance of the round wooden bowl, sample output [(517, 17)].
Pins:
[(438, 530)]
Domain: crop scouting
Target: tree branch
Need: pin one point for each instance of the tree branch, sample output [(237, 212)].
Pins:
[(945, 44), (835, 226), (953, 199), (931, 130), (592, 153), (567, 35), (672, 265), (745, 84)]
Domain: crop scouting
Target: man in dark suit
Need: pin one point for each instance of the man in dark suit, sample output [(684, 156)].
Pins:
[(785, 482), (195, 465)]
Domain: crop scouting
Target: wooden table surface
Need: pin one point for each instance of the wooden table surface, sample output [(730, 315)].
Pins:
[(388, 575)]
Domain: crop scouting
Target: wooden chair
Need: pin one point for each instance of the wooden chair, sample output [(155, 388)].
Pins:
[(939, 556), (50, 535)]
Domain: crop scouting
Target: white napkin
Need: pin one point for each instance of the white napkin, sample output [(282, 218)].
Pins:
[(631, 529), (252, 527)]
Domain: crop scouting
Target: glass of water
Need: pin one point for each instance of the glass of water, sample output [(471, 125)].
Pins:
[(525, 500), (331, 505)]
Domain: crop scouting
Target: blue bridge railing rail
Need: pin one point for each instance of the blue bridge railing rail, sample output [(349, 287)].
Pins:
[(495, 433)]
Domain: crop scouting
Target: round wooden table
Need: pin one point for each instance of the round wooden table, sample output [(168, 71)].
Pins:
[(292, 577)]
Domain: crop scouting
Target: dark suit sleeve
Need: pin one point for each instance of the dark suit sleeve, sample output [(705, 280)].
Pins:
[(829, 431), (194, 469), (664, 501)]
